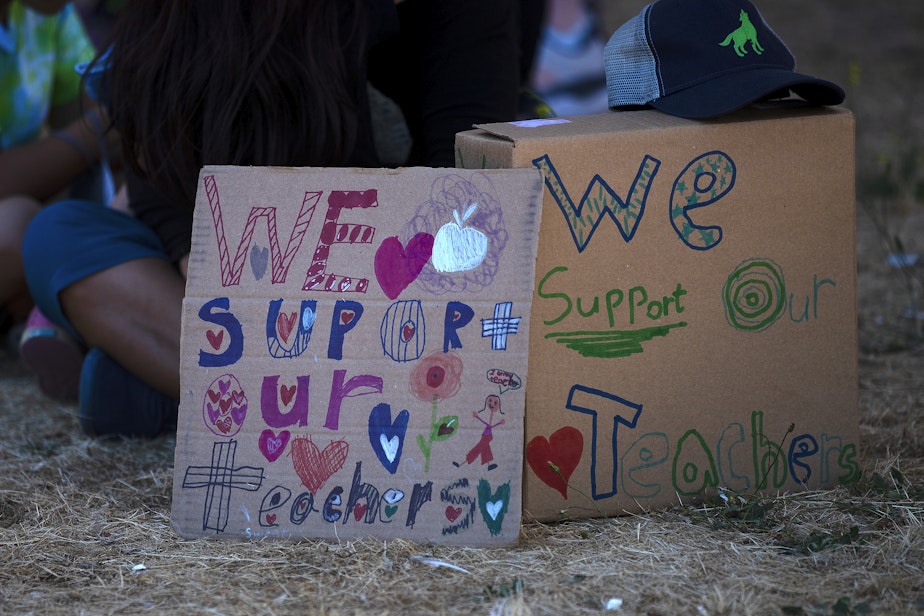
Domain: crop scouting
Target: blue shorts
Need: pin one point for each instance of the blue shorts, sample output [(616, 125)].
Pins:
[(70, 240)]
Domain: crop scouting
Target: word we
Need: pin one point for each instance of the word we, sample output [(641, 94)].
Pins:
[(704, 181), (332, 232)]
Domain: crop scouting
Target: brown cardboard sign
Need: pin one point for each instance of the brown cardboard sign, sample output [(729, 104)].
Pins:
[(694, 318), (354, 354)]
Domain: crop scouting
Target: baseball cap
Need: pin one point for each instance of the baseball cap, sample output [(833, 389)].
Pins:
[(704, 58)]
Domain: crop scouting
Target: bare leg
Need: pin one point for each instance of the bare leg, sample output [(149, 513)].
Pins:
[(15, 212), (133, 312)]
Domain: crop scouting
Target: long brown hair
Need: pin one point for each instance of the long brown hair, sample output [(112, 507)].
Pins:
[(247, 82)]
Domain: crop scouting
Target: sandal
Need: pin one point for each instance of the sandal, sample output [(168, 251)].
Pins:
[(53, 355)]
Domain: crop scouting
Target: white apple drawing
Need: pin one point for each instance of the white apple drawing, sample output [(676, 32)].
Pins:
[(457, 248)]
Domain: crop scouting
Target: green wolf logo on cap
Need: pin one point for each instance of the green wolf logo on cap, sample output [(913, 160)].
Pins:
[(742, 35)]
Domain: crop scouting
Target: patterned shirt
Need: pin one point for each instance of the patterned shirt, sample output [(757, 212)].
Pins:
[(37, 58)]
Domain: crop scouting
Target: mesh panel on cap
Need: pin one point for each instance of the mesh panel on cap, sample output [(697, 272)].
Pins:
[(631, 67)]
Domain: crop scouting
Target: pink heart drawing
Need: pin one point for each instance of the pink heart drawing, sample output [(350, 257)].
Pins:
[(271, 445), (397, 266)]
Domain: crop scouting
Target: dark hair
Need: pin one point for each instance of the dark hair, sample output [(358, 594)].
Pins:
[(248, 82)]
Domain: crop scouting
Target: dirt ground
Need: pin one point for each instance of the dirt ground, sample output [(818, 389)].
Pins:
[(85, 529)]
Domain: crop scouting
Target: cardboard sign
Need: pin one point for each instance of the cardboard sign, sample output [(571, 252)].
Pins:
[(694, 317), (354, 354)]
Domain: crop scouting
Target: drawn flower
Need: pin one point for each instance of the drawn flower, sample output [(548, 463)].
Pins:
[(436, 376)]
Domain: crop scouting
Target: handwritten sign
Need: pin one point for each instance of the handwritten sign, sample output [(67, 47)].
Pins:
[(354, 354), (694, 320)]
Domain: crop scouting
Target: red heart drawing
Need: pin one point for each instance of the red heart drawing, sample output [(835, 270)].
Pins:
[(286, 394), (397, 266), (285, 323), (563, 450), (225, 404), (215, 339), (313, 466), (272, 446), (359, 511), (224, 424), (453, 513), (270, 519), (347, 316), (214, 396), (408, 332)]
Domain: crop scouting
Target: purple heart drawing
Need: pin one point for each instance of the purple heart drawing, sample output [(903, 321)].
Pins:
[(238, 413), (213, 413), (272, 445), (397, 266)]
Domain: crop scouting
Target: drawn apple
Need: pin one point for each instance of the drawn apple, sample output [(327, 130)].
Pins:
[(457, 248)]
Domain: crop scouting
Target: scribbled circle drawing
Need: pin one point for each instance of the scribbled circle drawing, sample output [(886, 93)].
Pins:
[(450, 196), (754, 295), (224, 406)]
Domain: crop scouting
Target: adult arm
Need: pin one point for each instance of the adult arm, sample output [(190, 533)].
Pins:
[(44, 168)]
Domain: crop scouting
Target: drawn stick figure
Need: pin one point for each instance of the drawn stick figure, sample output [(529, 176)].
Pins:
[(483, 447)]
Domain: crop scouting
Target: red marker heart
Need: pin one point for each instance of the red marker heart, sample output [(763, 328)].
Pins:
[(359, 511), (562, 450), (270, 519), (224, 424), (347, 316), (453, 513), (215, 339), (397, 266), (314, 466), (286, 394), (285, 323), (408, 332)]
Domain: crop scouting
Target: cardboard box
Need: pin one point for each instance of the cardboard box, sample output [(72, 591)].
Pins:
[(354, 353), (694, 317)]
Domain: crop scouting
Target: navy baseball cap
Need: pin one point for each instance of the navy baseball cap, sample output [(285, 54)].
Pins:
[(704, 58)]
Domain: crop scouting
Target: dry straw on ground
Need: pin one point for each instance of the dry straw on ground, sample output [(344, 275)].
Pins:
[(84, 524)]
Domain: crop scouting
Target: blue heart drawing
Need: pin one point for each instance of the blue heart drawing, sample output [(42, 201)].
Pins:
[(259, 257), (387, 436)]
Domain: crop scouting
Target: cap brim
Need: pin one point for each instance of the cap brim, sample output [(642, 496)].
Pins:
[(732, 91)]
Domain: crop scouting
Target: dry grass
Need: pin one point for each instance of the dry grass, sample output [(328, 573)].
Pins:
[(85, 529)]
